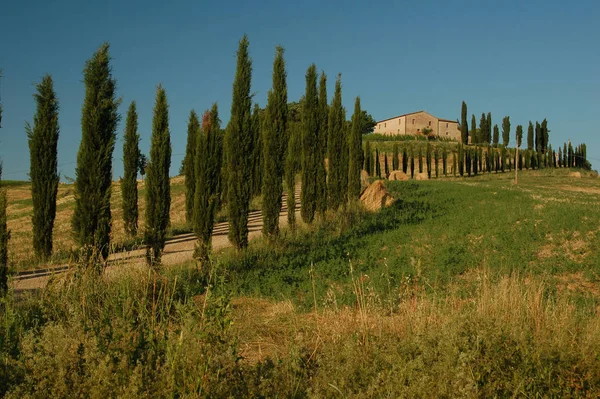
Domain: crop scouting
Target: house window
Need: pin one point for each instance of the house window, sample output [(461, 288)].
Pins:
[(446, 127), (446, 132), (385, 125), (429, 123), (399, 121), (413, 121)]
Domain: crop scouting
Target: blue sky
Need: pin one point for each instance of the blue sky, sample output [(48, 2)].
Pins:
[(527, 59)]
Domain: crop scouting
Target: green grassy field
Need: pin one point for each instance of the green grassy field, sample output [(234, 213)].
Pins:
[(462, 288)]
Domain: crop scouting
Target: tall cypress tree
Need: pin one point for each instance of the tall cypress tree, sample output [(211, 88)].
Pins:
[(336, 183), (257, 157), (239, 142), (158, 185), (404, 159), (193, 131), (530, 136), (99, 118), (207, 165), (560, 160), (274, 147), (368, 159), (420, 158), (474, 134), (377, 164), (436, 161), (386, 166), (496, 137), (445, 161), (131, 160), (506, 131), (322, 146), (355, 152), (488, 126), (412, 162), (43, 141), (291, 166), (395, 159), (428, 155), (4, 233), (544, 133), (461, 160), (464, 129), (482, 136), (310, 150)]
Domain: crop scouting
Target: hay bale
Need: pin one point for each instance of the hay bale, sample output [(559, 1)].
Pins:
[(376, 196), (421, 176), (575, 175), (398, 176)]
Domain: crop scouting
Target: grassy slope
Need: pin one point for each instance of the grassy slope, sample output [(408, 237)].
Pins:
[(470, 288)]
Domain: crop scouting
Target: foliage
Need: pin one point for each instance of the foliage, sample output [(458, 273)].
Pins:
[(368, 159), (158, 184), (193, 131), (43, 142), (311, 124), (131, 156), (355, 154), (208, 165), (530, 141), (337, 182), (464, 128), (395, 158), (322, 147), (258, 156), (239, 144), (99, 118), (275, 144), (506, 131)]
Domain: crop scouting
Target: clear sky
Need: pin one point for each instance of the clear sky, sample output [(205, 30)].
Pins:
[(530, 59)]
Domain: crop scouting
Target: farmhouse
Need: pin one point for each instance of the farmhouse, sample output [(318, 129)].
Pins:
[(417, 123)]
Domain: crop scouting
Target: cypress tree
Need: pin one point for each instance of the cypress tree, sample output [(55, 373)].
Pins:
[(336, 144), (43, 141), (131, 159), (274, 147), (4, 237), (158, 185), (496, 135), (475, 161), (570, 154), (436, 160), (322, 146), (239, 144), (291, 166), (428, 158), (377, 164), (464, 129), (207, 165), (420, 159), (506, 131), (488, 126), (544, 134), (91, 221), (530, 136), (538, 137), (482, 136), (257, 158), (386, 166), (4, 233), (454, 156), (404, 159), (461, 160), (468, 161), (395, 159), (193, 130), (445, 161), (503, 157), (560, 160), (474, 135), (355, 152), (310, 131), (368, 159), (412, 162), (565, 156)]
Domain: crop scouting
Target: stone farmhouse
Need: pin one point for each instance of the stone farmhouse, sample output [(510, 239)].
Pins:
[(415, 123)]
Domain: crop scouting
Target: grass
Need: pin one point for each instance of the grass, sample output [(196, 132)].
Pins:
[(464, 287)]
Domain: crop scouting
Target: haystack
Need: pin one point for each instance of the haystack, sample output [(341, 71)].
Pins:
[(576, 175), (398, 175), (422, 176), (376, 196)]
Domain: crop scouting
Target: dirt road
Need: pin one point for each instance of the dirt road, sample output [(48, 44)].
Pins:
[(177, 250)]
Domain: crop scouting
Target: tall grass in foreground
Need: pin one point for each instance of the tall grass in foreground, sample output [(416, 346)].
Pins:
[(176, 334)]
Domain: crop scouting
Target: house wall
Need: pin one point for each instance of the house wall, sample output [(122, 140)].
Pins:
[(415, 123)]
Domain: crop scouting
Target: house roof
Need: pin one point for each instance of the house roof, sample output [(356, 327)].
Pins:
[(416, 112)]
